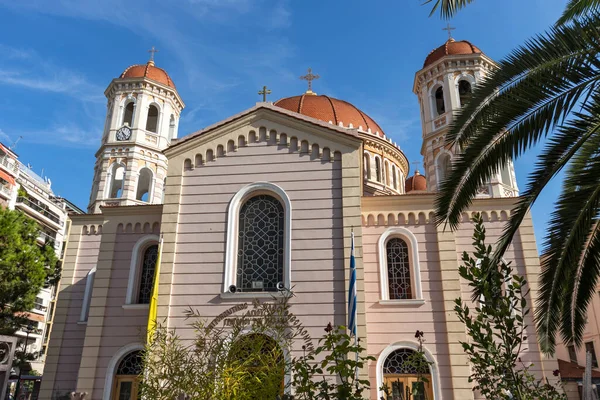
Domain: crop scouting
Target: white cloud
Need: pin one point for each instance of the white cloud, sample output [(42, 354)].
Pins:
[(4, 138)]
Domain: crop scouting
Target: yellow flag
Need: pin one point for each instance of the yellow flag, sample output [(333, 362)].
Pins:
[(153, 311)]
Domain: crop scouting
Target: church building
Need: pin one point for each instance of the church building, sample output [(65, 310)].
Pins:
[(267, 199)]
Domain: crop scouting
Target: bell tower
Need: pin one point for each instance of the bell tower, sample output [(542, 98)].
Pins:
[(142, 118), (443, 86)]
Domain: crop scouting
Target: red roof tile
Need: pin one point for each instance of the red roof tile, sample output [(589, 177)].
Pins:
[(149, 71), (451, 47)]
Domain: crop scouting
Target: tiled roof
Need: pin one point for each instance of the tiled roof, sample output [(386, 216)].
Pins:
[(149, 71), (417, 182), (328, 109), (451, 47), (570, 370)]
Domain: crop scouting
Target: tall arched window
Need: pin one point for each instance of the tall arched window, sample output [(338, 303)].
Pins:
[(87, 295), (506, 176), (146, 277), (117, 180), (128, 114), (172, 127), (127, 377), (367, 162), (378, 169), (144, 185), (260, 244), (386, 172), (403, 379), (444, 166), (464, 91), (440, 106), (395, 177), (152, 121), (398, 268)]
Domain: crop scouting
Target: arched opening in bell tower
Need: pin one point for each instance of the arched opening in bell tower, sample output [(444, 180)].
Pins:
[(128, 114), (144, 185), (440, 106), (152, 121), (117, 179), (464, 91), (172, 127)]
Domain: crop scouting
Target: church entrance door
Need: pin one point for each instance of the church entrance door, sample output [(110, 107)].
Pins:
[(408, 387), (126, 387)]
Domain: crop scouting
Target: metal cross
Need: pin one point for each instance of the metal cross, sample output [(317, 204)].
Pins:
[(264, 93), (152, 51), (416, 164), (449, 29), (310, 77)]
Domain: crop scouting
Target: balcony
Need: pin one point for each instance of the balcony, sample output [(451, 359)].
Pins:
[(9, 164), (40, 209), (40, 307), (6, 191), (46, 238)]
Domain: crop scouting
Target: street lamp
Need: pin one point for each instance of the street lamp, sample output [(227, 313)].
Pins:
[(28, 329)]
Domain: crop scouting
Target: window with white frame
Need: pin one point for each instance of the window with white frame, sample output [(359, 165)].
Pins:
[(400, 275), (141, 270), (146, 280), (144, 188), (258, 254), (116, 180), (152, 120), (128, 114)]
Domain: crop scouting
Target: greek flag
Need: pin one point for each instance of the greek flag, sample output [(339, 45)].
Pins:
[(352, 292)]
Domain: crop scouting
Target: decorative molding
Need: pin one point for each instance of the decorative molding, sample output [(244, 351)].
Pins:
[(233, 213), (415, 268)]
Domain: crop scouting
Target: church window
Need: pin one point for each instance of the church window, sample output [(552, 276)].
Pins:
[(404, 379), (395, 177), (144, 185), (367, 166), (464, 91), (398, 265), (386, 171), (127, 377), (117, 179), (146, 280), (172, 127), (505, 175), (87, 296), (440, 106), (378, 168), (400, 276), (261, 244), (444, 166), (128, 114), (152, 121), (258, 253)]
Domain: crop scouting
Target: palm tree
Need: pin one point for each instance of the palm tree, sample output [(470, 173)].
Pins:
[(547, 90)]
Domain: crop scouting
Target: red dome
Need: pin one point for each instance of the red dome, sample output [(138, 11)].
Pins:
[(417, 182), (328, 109), (149, 71), (451, 47)]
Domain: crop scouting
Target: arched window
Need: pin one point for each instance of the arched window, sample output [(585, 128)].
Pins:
[(400, 275), (172, 127), (260, 244), (444, 166), (152, 121), (395, 177), (87, 295), (405, 380), (440, 106), (146, 277), (144, 185), (128, 114), (398, 269), (258, 254), (506, 176), (378, 168), (464, 91), (117, 180), (386, 170), (127, 377), (367, 162)]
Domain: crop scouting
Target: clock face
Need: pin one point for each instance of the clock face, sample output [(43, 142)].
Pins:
[(124, 133)]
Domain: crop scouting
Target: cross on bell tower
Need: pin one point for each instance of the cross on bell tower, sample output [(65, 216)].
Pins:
[(310, 77)]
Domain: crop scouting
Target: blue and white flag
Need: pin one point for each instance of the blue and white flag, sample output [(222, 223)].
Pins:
[(352, 292)]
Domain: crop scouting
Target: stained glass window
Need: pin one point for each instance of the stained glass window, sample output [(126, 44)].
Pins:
[(398, 266), (131, 364), (396, 363), (147, 274), (260, 244)]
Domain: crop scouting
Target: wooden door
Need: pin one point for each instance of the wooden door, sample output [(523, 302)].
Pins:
[(126, 387), (405, 387)]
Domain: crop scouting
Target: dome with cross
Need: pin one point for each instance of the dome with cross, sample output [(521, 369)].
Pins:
[(451, 47)]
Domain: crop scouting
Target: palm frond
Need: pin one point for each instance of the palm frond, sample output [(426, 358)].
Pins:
[(577, 9), (533, 91), (448, 8), (569, 270)]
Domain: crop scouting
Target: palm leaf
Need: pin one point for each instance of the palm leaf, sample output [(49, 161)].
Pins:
[(448, 8), (577, 9)]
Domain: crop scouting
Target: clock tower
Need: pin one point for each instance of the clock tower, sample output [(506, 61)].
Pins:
[(142, 118)]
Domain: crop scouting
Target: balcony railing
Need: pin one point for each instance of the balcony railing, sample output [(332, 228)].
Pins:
[(47, 238), (9, 164), (40, 307), (39, 208), (5, 189)]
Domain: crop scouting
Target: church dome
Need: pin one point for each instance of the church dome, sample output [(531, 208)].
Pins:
[(417, 182), (149, 71), (451, 47), (332, 110)]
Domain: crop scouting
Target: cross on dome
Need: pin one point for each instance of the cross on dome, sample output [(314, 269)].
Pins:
[(264, 92), (449, 29), (310, 77), (152, 51)]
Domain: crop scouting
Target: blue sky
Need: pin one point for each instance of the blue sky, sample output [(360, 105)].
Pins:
[(57, 57)]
